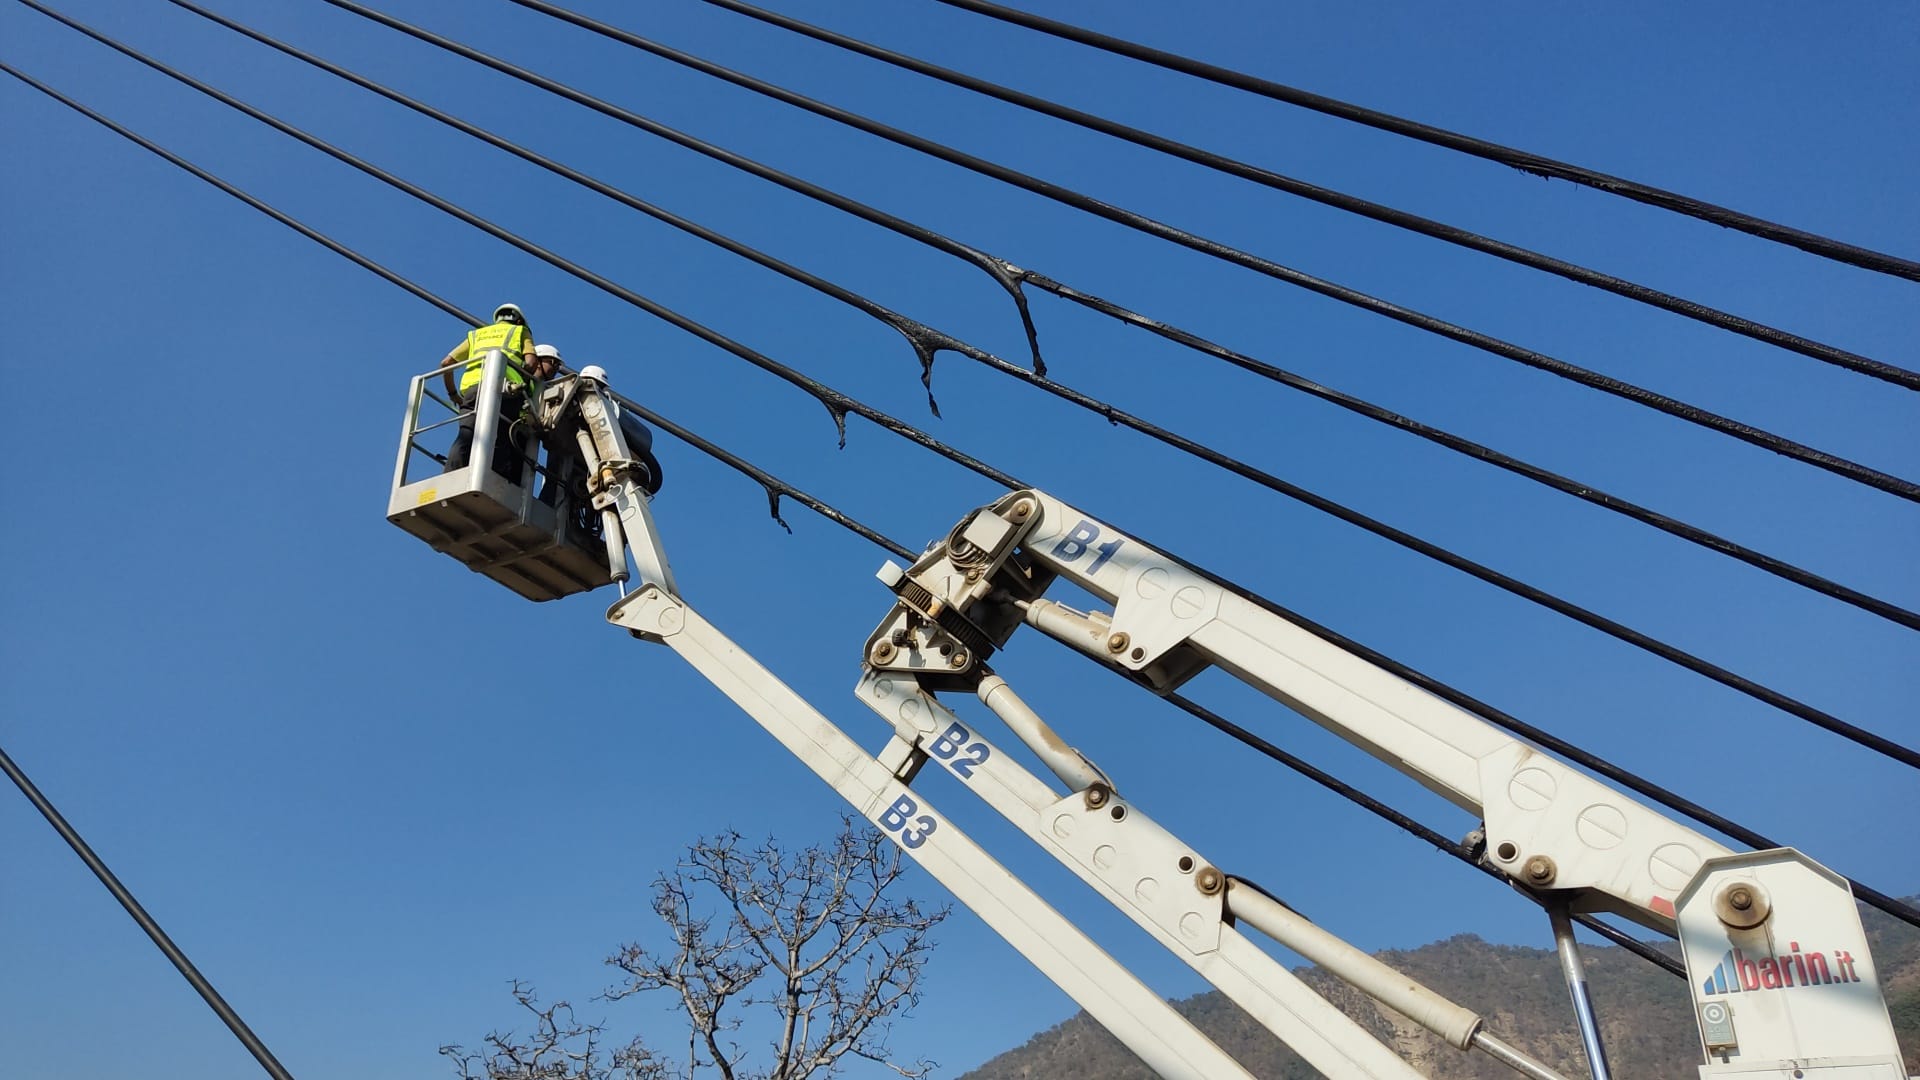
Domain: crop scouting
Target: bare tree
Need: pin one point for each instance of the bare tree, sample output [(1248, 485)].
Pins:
[(805, 951)]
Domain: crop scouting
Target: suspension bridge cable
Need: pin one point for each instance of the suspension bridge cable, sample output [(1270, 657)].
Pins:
[(120, 892), (1451, 234), (1380, 809), (1535, 164), (1875, 478), (1004, 273), (773, 485), (776, 487), (1500, 718), (1000, 270), (926, 341), (838, 404), (1583, 491), (770, 482)]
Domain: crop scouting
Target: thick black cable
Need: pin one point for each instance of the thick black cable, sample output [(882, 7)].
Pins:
[(1003, 273), (120, 892), (1500, 718), (174, 159), (926, 341), (773, 485), (1418, 678), (1535, 164), (1875, 478), (839, 404), (1451, 234), (1818, 717), (1583, 491), (1431, 836), (923, 339)]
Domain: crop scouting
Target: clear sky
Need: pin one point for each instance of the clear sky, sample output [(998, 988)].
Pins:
[(365, 789)]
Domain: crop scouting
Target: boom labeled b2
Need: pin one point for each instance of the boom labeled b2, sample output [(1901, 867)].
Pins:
[(1751, 925)]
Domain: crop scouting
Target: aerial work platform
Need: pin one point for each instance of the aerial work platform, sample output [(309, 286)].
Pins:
[(488, 522)]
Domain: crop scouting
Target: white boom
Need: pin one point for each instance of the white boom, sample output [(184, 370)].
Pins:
[(1783, 983), (1141, 1019), (1772, 927)]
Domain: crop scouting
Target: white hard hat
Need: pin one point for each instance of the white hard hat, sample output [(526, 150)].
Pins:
[(594, 371), (509, 313), (547, 352)]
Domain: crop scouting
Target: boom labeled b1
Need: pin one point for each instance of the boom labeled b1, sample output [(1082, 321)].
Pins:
[(1574, 843)]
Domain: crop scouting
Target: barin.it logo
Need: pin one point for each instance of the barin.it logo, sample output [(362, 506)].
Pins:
[(1738, 972)]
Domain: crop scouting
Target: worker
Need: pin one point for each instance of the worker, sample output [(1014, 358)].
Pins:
[(507, 332), (639, 436)]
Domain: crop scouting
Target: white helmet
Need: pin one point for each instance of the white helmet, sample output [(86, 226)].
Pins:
[(594, 371), (544, 351), (509, 313)]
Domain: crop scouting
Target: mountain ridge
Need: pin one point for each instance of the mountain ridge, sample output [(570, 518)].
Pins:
[(1645, 1014)]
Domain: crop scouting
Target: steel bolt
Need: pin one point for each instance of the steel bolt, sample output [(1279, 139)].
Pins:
[(1209, 881), (1021, 510), (1740, 899), (1118, 643), (958, 661), (883, 652), (1096, 797), (1539, 870)]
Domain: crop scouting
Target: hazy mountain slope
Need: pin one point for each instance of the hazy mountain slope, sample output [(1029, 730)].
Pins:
[(1647, 1020)]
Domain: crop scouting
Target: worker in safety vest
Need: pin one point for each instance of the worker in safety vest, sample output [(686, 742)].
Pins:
[(508, 333)]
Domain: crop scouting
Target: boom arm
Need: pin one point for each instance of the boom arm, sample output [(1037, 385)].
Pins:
[(1141, 1019), (1553, 831)]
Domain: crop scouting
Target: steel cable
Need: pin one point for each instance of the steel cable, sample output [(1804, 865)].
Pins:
[(838, 404), (1534, 164), (1352, 204), (1379, 809), (926, 341), (1693, 414), (776, 487), (1583, 491), (147, 923)]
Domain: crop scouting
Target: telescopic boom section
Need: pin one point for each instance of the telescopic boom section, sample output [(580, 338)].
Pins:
[(1745, 921), (1141, 1019)]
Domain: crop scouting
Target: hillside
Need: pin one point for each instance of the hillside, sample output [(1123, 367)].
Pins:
[(1647, 1023)]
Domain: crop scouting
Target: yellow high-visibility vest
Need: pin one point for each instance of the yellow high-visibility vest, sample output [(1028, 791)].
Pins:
[(510, 338)]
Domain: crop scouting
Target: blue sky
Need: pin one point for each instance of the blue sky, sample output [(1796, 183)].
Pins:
[(365, 789)]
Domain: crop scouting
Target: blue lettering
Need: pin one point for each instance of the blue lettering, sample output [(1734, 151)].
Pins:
[(949, 742), (900, 819), (977, 754), (1106, 551), (1074, 544)]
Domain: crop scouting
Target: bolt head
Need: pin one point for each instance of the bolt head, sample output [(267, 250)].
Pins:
[(958, 660), (1096, 797), (1209, 880), (1117, 643), (883, 652), (1539, 870), (1740, 899)]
